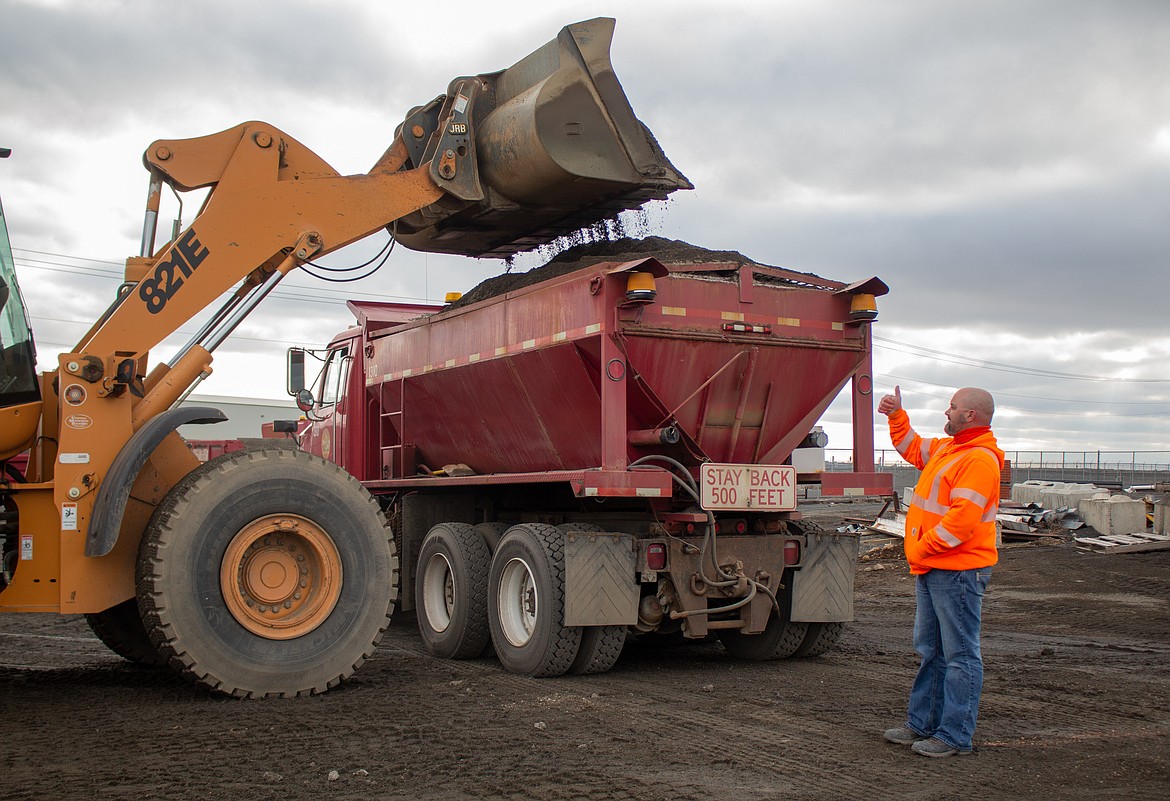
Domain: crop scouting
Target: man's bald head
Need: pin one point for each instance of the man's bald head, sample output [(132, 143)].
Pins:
[(978, 401)]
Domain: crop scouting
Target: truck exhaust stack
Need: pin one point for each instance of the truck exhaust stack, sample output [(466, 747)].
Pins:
[(556, 148)]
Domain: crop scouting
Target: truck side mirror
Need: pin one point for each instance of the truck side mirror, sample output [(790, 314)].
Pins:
[(305, 400), (295, 372)]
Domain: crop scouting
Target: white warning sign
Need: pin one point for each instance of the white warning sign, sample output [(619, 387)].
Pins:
[(69, 517)]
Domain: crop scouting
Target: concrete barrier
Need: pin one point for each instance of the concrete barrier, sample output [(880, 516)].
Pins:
[(1115, 515), (1066, 496), (1162, 516), (1029, 491)]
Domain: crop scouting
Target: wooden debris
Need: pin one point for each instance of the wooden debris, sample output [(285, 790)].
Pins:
[(1124, 543), (896, 527)]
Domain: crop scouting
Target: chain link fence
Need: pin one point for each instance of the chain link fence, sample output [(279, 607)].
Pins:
[(1113, 469)]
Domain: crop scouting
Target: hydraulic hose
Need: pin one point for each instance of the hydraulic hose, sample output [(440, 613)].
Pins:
[(687, 483), (744, 601)]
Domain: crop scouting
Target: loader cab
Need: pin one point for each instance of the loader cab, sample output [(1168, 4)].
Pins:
[(20, 394), (18, 359)]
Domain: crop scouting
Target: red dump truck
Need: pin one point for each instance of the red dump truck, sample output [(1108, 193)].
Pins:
[(606, 451)]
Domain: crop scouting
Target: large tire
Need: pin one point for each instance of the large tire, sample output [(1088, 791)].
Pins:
[(526, 602), (450, 591), (267, 573), (120, 629), (491, 533), (819, 639), (600, 648), (781, 638)]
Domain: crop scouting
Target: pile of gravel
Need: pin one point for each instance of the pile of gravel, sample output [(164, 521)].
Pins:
[(579, 257)]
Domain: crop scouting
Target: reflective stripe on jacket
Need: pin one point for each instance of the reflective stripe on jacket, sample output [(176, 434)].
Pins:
[(950, 524)]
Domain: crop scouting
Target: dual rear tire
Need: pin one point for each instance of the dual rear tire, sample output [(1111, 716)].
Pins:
[(783, 637), (512, 595), (477, 587)]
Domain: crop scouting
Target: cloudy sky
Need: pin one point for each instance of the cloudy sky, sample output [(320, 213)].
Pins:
[(1003, 165)]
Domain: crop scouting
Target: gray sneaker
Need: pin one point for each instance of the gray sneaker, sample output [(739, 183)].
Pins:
[(934, 747), (903, 735)]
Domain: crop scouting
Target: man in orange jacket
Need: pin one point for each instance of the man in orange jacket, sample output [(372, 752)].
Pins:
[(950, 545)]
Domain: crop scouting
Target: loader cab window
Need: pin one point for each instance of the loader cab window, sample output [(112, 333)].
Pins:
[(18, 358), (333, 377)]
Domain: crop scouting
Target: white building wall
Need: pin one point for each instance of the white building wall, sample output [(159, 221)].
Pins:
[(245, 416)]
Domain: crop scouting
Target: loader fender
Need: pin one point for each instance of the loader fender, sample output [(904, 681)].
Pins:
[(114, 492)]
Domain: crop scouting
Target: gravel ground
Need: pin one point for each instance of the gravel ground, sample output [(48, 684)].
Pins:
[(1076, 705)]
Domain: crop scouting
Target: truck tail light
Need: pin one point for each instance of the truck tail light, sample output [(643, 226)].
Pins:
[(656, 556), (791, 553)]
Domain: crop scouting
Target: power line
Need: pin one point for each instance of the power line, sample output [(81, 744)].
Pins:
[(954, 358), (180, 332), (290, 293), (1039, 397), (998, 407)]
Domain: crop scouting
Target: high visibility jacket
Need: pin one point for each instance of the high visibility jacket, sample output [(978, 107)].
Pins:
[(951, 520)]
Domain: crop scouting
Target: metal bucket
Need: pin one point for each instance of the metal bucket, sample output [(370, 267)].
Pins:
[(556, 148)]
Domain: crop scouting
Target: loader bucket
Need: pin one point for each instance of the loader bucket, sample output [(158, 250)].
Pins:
[(555, 148)]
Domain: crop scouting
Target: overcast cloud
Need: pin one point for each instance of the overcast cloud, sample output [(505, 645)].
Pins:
[(1004, 166)]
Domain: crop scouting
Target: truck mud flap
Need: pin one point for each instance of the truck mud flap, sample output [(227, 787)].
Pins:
[(822, 589), (600, 586)]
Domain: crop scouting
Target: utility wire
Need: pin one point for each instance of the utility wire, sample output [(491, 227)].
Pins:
[(1037, 397), (287, 293), (178, 332), (998, 407), (954, 358)]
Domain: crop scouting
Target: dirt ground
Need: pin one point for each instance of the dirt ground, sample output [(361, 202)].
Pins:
[(1076, 705)]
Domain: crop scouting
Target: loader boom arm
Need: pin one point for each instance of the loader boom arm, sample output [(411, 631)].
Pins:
[(270, 197)]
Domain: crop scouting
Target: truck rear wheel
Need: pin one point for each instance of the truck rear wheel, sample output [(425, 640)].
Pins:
[(491, 533), (120, 629), (600, 645), (267, 573), (781, 638), (600, 648), (451, 591), (526, 602), (819, 639)]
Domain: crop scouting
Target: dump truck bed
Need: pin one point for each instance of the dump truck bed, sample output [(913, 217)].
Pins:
[(741, 359)]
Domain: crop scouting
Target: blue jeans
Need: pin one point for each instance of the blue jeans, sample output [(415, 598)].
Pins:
[(944, 699)]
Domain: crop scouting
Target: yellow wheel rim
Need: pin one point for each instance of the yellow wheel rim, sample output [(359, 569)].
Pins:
[(281, 576)]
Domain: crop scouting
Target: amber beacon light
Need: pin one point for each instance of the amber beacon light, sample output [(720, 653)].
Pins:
[(640, 288), (863, 308)]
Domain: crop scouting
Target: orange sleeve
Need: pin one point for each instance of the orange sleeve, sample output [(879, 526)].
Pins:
[(913, 448)]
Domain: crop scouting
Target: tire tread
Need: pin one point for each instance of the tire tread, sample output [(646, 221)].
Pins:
[(165, 526)]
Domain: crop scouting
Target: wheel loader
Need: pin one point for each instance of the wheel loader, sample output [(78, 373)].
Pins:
[(272, 572)]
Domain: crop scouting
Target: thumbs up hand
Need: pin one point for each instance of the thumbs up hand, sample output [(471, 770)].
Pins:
[(891, 403)]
